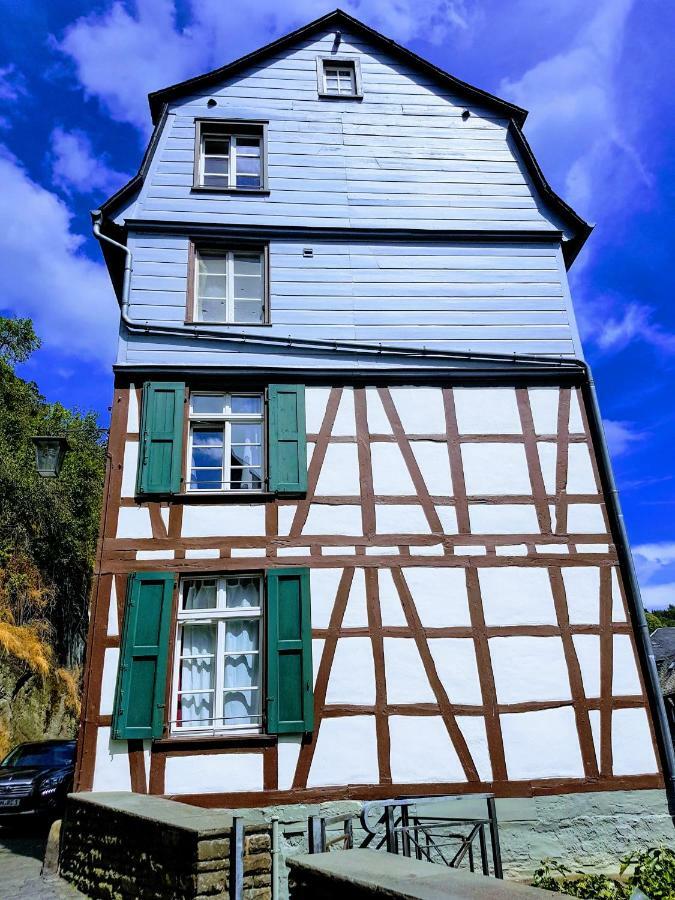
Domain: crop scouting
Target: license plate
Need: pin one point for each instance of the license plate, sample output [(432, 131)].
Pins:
[(8, 802)]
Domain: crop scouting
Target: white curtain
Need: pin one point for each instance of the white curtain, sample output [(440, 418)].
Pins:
[(243, 592), (200, 595), (240, 703), (197, 674)]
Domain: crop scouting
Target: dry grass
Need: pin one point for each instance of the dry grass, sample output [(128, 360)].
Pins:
[(26, 643)]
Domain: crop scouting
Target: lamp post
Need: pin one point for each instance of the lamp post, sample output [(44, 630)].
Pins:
[(50, 451)]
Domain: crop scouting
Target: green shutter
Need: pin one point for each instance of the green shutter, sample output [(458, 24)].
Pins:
[(161, 446), (290, 694), (287, 439), (141, 677)]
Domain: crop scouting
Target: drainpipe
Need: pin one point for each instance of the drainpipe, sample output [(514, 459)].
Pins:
[(644, 644)]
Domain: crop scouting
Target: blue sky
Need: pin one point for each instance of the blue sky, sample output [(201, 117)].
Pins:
[(596, 77)]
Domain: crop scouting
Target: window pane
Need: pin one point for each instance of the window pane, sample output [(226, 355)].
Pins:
[(206, 479), (211, 265), (246, 479), (242, 592), (242, 405), (200, 594), (245, 456), (212, 286), (247, 288), (248, 165), (219, 146), (208, 403), (207, 437), (241, 635), (251, 311), (248, 146), (241, 671), (217, 181), (199, 641), (207, 457), (246, 433), (247, 264), (241, 707), (212, 310), (216, 165), (195, 710)]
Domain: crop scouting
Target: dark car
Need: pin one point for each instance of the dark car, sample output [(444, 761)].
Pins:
[(35, 780)]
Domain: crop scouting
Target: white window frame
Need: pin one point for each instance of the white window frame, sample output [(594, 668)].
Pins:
[(219, 615), (324, 63), (227, 419), (228, 255), (221, 131)]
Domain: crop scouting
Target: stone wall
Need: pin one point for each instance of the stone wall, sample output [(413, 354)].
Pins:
[(134, 846)]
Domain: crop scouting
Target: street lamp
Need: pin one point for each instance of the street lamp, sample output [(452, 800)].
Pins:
[(49, 454)]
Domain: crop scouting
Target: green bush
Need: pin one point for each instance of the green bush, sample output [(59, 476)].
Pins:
[(652, 871)]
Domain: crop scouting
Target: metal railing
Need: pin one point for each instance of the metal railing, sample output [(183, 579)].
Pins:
[(399, 827)]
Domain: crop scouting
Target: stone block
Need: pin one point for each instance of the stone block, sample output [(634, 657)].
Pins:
[(216, 849)]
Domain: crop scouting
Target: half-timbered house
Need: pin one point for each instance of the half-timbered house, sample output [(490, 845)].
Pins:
[(360, 535)]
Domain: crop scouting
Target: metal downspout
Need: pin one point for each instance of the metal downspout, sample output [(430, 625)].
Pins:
[(645, 650)]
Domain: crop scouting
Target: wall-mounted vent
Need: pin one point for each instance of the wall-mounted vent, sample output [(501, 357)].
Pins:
[(307, 252)]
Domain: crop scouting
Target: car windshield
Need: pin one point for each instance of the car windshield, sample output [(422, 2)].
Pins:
[(41, 755)]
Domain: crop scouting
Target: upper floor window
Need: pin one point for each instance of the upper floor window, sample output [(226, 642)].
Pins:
[(339, 77), (230, 156), (230, 286), (226, 442)]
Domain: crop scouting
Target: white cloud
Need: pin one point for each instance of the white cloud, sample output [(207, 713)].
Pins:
[(613, 323), (655, 565), (658, 596), (74, 167), (12, 84), (621, 436), (45, 273), (122, 55)]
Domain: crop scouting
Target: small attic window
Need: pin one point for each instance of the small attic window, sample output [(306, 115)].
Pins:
[(338, 77), (229, 156)]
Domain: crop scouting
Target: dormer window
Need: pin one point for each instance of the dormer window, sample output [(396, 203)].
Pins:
[(339, 78), (229, 156)]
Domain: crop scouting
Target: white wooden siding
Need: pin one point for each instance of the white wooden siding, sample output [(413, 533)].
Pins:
[(401, 157)]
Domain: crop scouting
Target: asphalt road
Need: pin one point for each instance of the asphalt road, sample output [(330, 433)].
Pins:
[(21, 854)]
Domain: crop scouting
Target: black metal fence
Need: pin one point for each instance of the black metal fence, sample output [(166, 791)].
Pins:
[(398, 826)]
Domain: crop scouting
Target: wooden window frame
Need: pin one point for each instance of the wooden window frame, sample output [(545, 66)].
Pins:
[(234, 246), (230, 128), (218, 616), (352, 62), (224, 419)]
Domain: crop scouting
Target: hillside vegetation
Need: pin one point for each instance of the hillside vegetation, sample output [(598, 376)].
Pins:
[(48, 531)]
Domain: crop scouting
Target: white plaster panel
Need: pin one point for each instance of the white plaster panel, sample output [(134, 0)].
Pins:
[(529, 669), (625, 677), (108, 680), (293, 551), (594, 716), (223, 521), (134, 522), (407, 681), (495, 469), (214, 773), (507, 518), (310, 451), (437, 764), (288, 751), (339, 474), (592, 548), (286, 514), (544, 406), (554, 518), (434, 463), (333, 520), (345, 420), (111, 769), (133, 420), (378, 421), (582, 589), (346, 752), (511, 550), (455, 661), (427, 550), (164, 516), (470, 550), (618, 609), (552, 548), (516, 595), (352, 674), (401, 519), (316, 399), (323, 589), (129, 467), (576, 422), (585, 518), (542, 744), (390, 602), (375, 550), (317, 653), (420, 409), (113, 622), (487, 411), (448, 517), (390, 473), (632, 747), (356, 614), (338, 551), (247, 551), (475, 734), (548, 457), (580, 475), (587, 647), (439, 594), (155, 554)]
